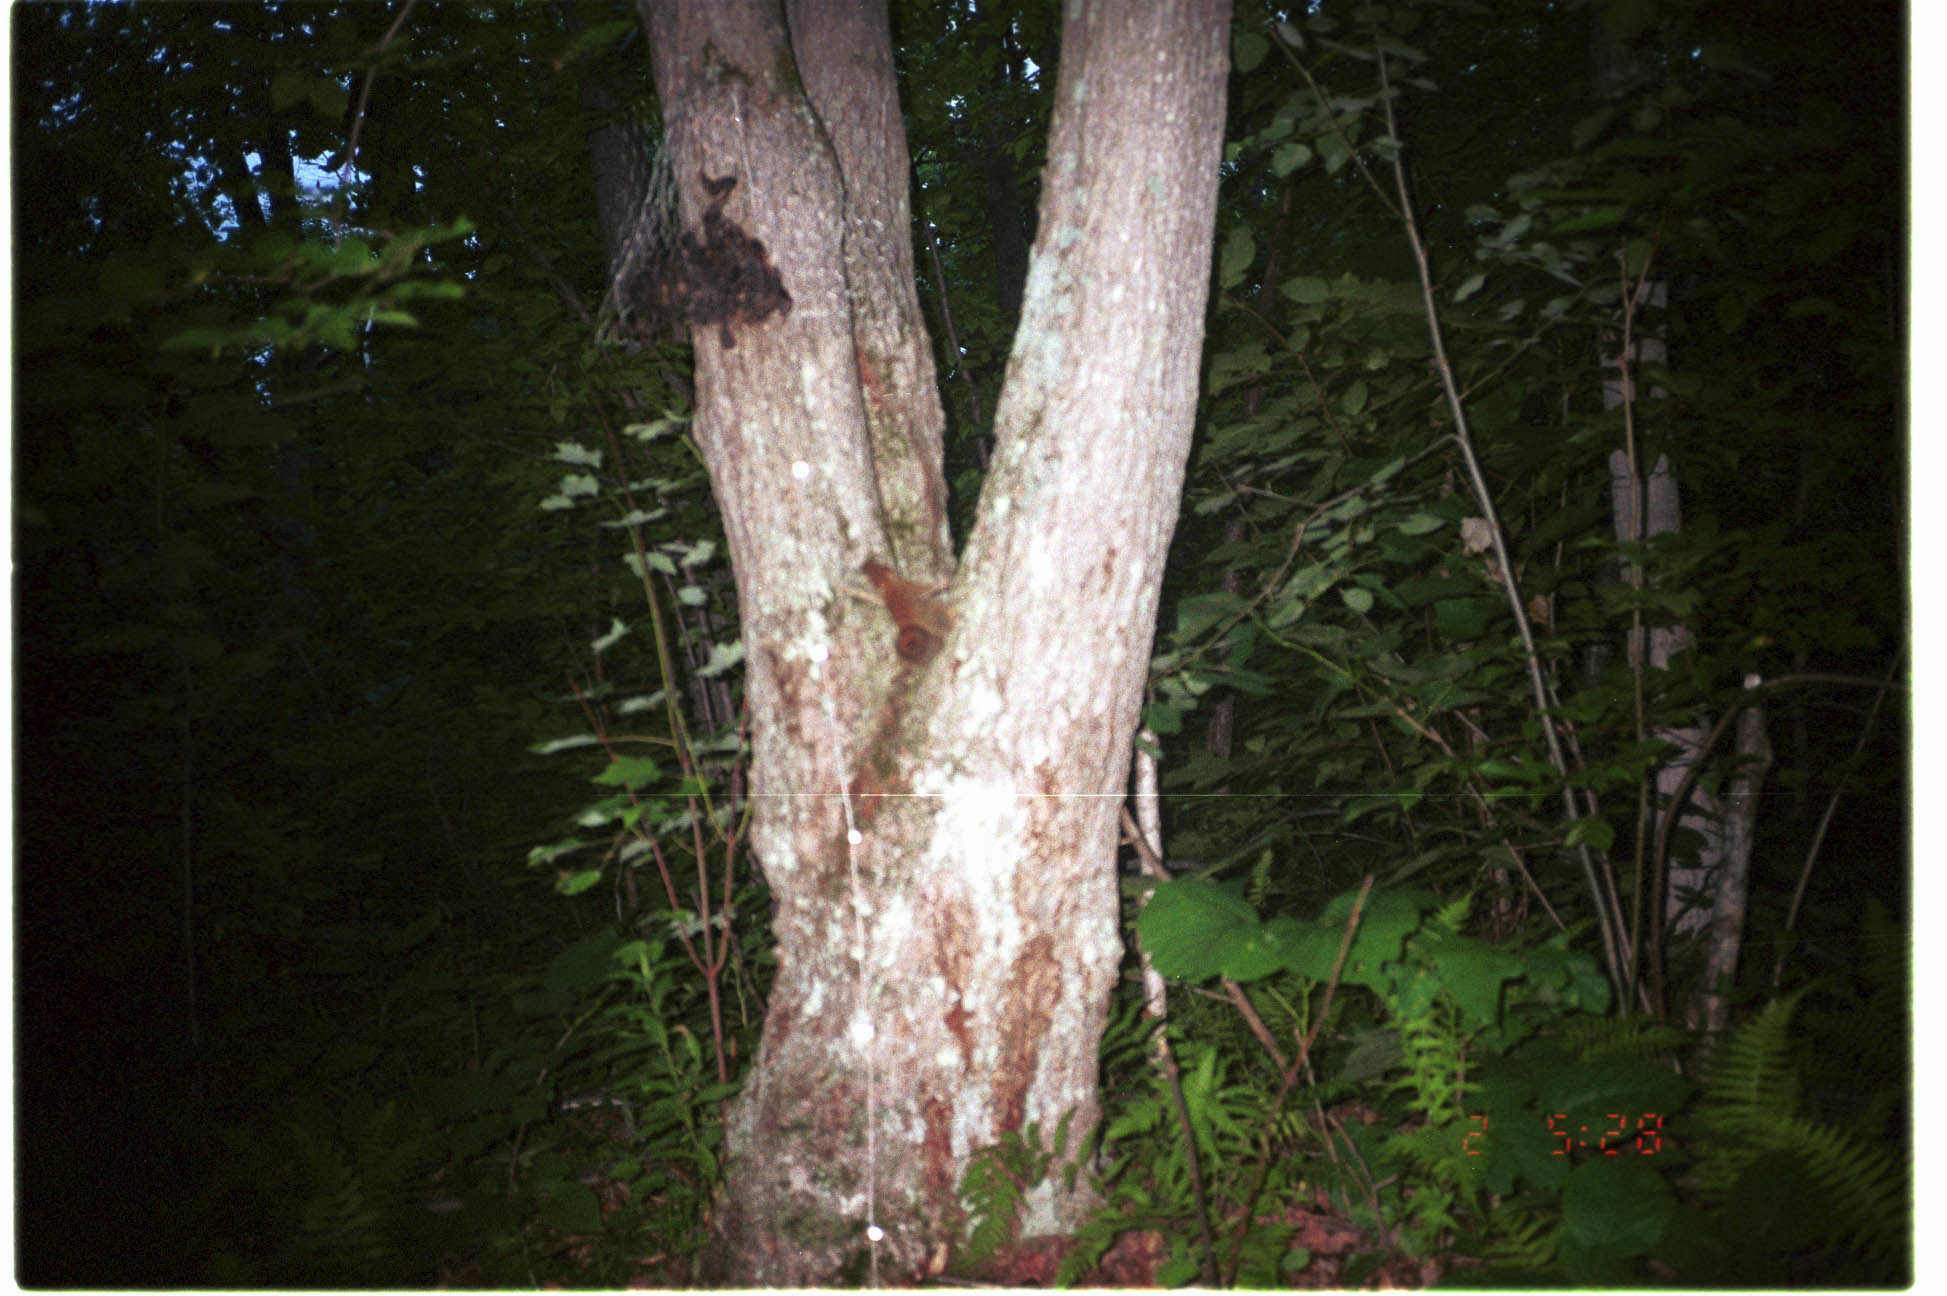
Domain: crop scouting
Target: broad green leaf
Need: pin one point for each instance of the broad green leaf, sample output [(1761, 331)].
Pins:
[(1618, 1205), (1247, 50), (1599, 835), (1306, 290), (1289, 157), (576, 883), (1472, 972), (1239, 248), (630, 772), (1462, 619), (1163, 718), (1259, 952), (1190, 926)]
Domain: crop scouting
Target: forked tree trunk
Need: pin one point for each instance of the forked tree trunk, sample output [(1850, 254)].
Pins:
[(938, 829)]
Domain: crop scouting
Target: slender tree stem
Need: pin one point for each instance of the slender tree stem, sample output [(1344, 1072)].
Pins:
[(1608, 919)]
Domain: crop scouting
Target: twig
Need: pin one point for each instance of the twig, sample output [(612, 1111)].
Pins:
[(1291, 1074), (1749, 697), (365, 89), (1609, 920), (1831, 808)]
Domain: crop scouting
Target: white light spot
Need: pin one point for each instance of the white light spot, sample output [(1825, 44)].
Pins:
[(854, 836), (874, 1233), (800, 469), (820, 652), (861, 1030)]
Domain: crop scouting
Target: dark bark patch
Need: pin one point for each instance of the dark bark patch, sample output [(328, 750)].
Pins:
[(1028, 1010), (953, 955), (723, 278), (936, 1152)]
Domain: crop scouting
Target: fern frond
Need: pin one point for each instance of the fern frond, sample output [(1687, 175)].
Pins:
[(1589, 1037), (1751, 1109), (1450, 917), (1527, 1244), (1866, 1195), (1751, 1080)]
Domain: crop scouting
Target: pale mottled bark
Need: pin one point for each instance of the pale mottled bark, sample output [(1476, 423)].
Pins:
[(945, 950)]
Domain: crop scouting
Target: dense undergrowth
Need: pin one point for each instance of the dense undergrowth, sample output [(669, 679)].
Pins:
[(380, 873)]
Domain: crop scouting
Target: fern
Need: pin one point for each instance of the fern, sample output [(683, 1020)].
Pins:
[(1452, 916), (1434, 1045), (1589, 1037), (1528, 1243), (1866, 1194), (996, 1184), (1091, 1244), (1751, 1112), (339, 1226), (1750, 1083)]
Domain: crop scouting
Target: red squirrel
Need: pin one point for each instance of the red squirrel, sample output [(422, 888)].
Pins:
[(915, 608)]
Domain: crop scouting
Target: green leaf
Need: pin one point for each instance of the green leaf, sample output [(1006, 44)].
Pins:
[(630, 772), (1260, 952), (1522, 771), (1421, 524), (1177, 1270), (1332, 149), (1163, 718), (1374, 1052), (1289, 157), (1190, 925), (1384, 923), (1469, 286), (1597, 833), (327, 98), (1775, 1204), (1306, 290), (1589, 127), (1636, 255), (1239, 248), (582, 966), (1472, 972), (1359, 600), (576, 883), (1196, 613), (1603, 217), (1462, 619), (1617, 1205), (1247, 50)]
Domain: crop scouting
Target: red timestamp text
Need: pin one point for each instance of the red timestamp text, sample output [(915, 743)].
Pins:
[(1614, 1134)]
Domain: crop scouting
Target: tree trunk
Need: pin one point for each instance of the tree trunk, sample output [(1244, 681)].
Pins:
[(936, 779), (1644, 506), (1708, 1008), (1645, 510)]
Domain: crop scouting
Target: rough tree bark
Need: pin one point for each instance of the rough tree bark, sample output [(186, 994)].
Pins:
[(938, 829)]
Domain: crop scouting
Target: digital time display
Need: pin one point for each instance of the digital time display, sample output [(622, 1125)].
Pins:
[(1617, 1134)]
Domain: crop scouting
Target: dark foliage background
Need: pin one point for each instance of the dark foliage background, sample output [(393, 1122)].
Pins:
[(350, 547)]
